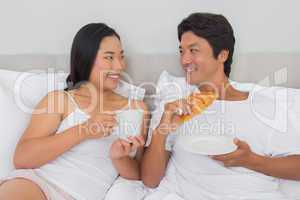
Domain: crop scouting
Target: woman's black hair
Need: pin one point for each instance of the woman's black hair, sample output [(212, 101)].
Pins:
[(215, 29), (85, 46)]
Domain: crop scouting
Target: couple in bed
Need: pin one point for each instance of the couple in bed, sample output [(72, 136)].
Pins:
[(70, 151)]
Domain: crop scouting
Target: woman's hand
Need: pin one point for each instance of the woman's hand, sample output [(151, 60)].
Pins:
[(99, 125), (242, 157), (122, 148), (171, 116)]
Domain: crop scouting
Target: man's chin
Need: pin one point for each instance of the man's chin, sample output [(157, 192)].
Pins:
[(191, 81), (198, 82)]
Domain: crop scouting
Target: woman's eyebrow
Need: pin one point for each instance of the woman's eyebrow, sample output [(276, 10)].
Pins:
[(112, 52), (109, 52)]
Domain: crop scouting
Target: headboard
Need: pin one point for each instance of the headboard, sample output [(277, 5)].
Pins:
[(267, 69)]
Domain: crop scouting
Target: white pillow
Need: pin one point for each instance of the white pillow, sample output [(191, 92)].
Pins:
[(19, 94), (130, 91), (30, 87), (290, 188), (170, 88), (13, 123)]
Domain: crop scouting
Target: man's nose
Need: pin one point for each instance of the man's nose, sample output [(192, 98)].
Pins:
[(186, 58)]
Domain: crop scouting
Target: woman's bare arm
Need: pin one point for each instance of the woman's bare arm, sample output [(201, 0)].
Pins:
[(39, 143)]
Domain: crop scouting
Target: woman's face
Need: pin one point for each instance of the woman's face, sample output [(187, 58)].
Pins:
[(108, 65)]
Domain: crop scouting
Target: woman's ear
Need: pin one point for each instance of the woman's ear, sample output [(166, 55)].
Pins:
[(223, 55)]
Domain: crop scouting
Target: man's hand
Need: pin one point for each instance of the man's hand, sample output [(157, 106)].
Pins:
[(170, 120), (242, 157)]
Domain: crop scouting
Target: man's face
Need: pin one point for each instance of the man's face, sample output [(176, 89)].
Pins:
[(197, 59)]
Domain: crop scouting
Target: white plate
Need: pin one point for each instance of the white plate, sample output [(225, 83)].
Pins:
[(208, 144)]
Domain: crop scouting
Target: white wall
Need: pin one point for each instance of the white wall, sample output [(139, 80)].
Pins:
[(146, 26)]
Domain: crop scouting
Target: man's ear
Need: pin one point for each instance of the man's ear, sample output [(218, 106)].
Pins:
[(223, 55)]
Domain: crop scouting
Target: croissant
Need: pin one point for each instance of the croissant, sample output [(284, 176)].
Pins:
[(199, 101)]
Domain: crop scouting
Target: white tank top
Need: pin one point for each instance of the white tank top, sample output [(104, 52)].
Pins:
[(85, 171)]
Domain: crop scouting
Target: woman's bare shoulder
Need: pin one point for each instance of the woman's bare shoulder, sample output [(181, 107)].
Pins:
[(53, 102)]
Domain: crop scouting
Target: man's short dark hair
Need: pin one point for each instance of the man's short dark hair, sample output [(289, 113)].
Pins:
[(215, 29)]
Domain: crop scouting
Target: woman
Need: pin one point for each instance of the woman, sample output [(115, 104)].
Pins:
[(68, 152)]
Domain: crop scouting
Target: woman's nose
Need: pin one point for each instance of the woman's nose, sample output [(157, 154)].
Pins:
[(119, 64)]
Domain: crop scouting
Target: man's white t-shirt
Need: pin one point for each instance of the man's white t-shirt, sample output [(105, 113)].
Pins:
[(269, 127)]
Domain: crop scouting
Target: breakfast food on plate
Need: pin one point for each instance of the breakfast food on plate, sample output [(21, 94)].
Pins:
[(199, 101)]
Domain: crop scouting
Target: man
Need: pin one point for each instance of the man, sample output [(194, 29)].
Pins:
[(263, 153)]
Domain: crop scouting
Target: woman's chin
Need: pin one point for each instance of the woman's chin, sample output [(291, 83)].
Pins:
[(111, 85)]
